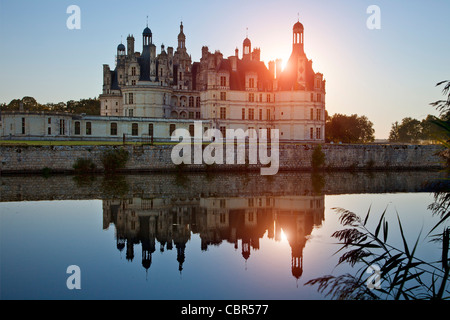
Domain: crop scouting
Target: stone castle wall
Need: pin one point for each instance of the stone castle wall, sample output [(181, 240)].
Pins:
[(33, 159)]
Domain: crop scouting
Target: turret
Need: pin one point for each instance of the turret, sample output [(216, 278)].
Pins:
[(130, 45)]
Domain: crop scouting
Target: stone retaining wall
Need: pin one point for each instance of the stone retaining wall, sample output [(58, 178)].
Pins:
[(28, 159)]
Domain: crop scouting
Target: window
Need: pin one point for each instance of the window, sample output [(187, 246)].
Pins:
[(197, 115), (223, 96), (268, 114), (113, 129), (133, 71), (191, 130), (197, 104), (130, 98), (223, 113), (319, 97), (62, 127), (312, 96), (88, 128), (260, 114), (150, 129), (223, 81), (251, 83), (318, 114), (130, 112), (251, 97), (251, 114), (260, 97), (268, 98), (312, 114), (77, 128), (134, 129), (191, 102), (133, 82), (311, 134), (191, 115), (23, 125), (49, 130), (318, 133), (49, 121), (243, 114), (223, 130), (250, 202), (171, 129)]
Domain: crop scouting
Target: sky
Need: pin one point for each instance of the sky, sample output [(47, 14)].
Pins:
[(386, 74)]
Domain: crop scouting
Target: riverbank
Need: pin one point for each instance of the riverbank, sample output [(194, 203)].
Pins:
[(157, 158)]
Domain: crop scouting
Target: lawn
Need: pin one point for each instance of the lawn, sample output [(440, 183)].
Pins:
[(62, 143)]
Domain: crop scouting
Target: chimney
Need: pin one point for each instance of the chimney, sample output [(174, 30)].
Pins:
[(278, 63)]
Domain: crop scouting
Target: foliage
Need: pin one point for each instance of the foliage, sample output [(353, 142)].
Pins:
[(318, 158), (404, 276), (443, 106), (412, 130), (83, 165), (88, 106), (349, 129), (114, 159)]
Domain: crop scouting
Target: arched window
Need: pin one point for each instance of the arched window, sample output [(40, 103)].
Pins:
[(77, 128)]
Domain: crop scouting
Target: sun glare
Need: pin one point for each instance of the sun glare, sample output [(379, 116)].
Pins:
[(284, 237)]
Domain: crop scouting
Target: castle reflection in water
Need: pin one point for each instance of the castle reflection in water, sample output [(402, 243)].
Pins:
[(169, 223)]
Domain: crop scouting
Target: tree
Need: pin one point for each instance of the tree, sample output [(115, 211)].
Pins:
[(349, 129), (412, 130)]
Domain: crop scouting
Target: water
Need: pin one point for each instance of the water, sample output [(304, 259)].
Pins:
[(194, 236)]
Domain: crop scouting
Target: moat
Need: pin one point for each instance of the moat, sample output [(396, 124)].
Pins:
[(197, 236)]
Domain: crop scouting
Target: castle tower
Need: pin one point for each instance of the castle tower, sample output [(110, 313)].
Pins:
[(147, 37), (181, 39), (298, 38), (130, 45), (247, 49)]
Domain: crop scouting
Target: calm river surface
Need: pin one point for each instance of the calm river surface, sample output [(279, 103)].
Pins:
[(195, 236)]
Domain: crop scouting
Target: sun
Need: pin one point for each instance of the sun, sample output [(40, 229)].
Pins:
[(283, 236)]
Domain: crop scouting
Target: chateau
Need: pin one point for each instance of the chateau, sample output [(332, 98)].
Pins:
[(150, 94)]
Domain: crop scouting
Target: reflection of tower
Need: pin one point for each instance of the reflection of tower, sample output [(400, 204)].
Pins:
[(130, 251), (120, 243), (246, 249), (297, 261), (181, 247), (148, 240)]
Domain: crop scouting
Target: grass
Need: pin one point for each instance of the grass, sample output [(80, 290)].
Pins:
[(58, 143), (71, 143)]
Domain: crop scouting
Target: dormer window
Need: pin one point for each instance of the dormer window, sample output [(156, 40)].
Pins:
[(251, 83), (223, 81)]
